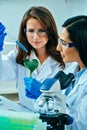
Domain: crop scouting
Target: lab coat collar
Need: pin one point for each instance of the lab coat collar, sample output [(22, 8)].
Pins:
[(33, 56), (71, 98), (46, 69), (81, 81)]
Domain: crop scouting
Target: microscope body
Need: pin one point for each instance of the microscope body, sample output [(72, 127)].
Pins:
[(52, 103)]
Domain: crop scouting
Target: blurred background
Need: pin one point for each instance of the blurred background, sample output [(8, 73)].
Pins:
[(11, 11)]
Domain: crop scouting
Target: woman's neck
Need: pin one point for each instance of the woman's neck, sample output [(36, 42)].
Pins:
[(80, 63), (42, 55)]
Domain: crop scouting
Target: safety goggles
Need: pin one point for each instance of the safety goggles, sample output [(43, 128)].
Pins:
[(65, 44), (40, 32)]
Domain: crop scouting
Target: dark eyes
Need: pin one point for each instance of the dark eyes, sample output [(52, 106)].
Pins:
[(40, 32), (32, 30), (64, 43)]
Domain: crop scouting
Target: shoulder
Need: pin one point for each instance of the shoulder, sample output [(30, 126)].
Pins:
[(52, 62), (71, 67), (83, 78)]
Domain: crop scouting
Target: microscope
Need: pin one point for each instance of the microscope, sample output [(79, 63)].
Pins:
[(51, 104)]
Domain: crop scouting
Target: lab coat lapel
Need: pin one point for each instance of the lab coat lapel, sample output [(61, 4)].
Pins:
[(45, 72), (72, 95), (81, 81), (46, 69)]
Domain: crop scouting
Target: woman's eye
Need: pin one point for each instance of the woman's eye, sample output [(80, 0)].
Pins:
[(42, 30), (31, 30), (64, 43)]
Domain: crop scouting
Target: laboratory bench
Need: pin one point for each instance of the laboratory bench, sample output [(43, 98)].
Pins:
[(8, 104), (9, 90), (17, 117)]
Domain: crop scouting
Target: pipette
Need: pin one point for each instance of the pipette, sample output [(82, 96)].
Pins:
[(17, 42)]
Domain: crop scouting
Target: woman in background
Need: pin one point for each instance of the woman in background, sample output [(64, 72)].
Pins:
[(73, 48)]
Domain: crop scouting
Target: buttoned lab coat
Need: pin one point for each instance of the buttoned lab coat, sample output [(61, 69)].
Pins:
[(10, 70), (77, 104)]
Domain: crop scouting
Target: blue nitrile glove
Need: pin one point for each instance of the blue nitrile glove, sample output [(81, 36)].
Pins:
[(2, 35), (32, 87)]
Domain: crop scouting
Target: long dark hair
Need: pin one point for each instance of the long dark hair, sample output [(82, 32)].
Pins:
[(46, 19), (77, 28)]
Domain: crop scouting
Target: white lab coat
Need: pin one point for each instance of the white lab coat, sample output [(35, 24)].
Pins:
[(77, 104), (10, 70)]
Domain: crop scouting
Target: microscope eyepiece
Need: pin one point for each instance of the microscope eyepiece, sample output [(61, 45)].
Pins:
[(64, 79)]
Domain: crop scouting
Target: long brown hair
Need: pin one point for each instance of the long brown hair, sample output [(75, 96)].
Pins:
[(46, 19)]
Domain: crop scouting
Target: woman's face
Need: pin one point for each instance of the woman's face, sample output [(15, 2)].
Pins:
[(66, 47), (36, 34)]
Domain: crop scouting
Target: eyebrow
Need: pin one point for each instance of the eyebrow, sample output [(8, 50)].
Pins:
[(63, 40)]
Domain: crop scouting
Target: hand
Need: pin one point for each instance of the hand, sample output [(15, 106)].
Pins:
[(32, 88), (2, 35)]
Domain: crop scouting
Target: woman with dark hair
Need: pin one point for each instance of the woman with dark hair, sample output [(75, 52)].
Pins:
[(73, 48), (38, 33)]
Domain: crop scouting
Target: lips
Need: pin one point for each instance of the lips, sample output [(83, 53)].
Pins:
[(36, 42)]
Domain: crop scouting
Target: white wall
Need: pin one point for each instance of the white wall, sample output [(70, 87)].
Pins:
[(79, 7), (11, 11)]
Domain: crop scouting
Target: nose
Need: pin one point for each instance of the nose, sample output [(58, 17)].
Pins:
[(35, 35), (59, 48)]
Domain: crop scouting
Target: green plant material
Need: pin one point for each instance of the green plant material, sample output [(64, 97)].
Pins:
[(31, 65)]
